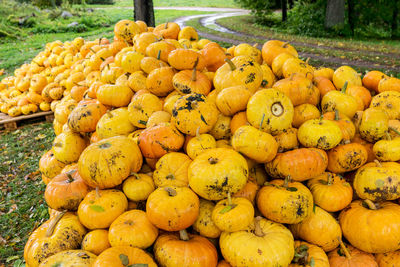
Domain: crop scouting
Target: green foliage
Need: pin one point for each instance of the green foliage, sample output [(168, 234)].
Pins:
[(261, 9), (100, 2)]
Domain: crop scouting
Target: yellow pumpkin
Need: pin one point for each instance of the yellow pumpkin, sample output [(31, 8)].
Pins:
[(113, 123), (295, 65), (307, 255), (124, 256), (141, 108), (346, 74), (389, 259), (130, 61), (270, 111), (138, 187), (267, 244), (319, 133), (96, 241), (233, 214), (67, 147), (137, 81), (378, 181), (188, 33), (132, 228), (248, 50), (374, 124), (62, 232), (278, 62), (70, 258), (200, 143), (284, 201), (303, 113), (217, 172), (287, 140), (255, 144), (221, 129), (241, 70), (114, 95), (171, 170), (330, 191), (232, 100), (339, 100), (158, 117), (194, 111), (204, 223), (320, 229), (387, 150), (100, 208), (389, 101)]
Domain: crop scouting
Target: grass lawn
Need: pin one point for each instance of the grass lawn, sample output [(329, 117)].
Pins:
[(13, 53), (22, 207)]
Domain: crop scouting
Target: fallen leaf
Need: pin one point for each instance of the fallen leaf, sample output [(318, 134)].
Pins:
[(40, 136), (13, 208)]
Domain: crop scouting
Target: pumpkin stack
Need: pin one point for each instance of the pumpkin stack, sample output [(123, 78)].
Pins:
[(174, 151)]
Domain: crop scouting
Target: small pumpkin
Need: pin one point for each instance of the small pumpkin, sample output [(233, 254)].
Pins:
[(347, 157), (214, 56), (49, 165), (320, 229), (185, 211), (85, 116), (67, 147), (345, 74), (186, 59), (113, 123), (389, 259), (319, 133), (138, 187), (307, 255), (232, 100), (191, 81), (267, 244), (198, 144), (350, 256), (156, 141), (69, 258), (300, 164), (387, 150), (303, 113), (372, 78), (389, 101), (141, 108), (186, 250), (172, 170), (217, 172), (339, 100), (100, 208), (124, 256), (374, 124), (65, 191), (107, 163), (270, 111), (285, 202), (204, 224), (160, 81), (96, 241), (330, 191), (132, 228), (287, 140), (168, 30), (114, 95)]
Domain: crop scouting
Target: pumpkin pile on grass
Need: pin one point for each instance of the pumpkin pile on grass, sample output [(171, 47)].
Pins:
[(174, 151)]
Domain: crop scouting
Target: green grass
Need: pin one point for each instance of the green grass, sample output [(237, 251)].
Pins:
[(22, 207), (15, 52)]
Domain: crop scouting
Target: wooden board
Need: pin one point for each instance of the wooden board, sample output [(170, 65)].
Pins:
[(11, 123)]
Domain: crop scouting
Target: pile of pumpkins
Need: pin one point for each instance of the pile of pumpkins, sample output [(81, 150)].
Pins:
[(174, 151)]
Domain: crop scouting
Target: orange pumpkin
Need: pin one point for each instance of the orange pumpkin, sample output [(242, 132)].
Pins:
[(123, 256), (350, 256), (214, 56), (169, 30)]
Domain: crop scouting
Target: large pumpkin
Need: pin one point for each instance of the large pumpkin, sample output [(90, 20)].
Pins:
[(270, 111), (266, 244), (186, 251), (373, 228), (158, 140), (194, 111), (107, 163), (217, 172), (300, 164), (284, 201), (51, 237)]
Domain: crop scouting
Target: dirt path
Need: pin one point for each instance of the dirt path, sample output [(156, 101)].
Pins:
[(209, 21)]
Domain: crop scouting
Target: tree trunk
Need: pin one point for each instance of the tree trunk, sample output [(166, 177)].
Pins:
[(284, 10), (394, 19), (334, 13), (351, 14), (143, 10)]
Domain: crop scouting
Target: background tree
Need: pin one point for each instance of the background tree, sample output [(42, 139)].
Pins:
[(335, 12), (144, 10)]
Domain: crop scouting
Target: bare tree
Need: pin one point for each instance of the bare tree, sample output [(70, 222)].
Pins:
[(143, 10)]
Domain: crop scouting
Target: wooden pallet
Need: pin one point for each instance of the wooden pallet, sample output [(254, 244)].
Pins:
[(11, 123)]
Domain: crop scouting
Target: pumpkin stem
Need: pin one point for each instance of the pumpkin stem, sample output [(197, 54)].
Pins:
[(345, 250), (229, 199), (261, 122), (377, 162), (337, 115), (198, 133), (53, 223), (97, 192), (213, 161), (185, 46), (230, 63), (161, 65), (57, 144), (370, 204), (159, 54), (330, 178), (344, 87), (194, 70), (394, 130), (255, 45), (134, 174), (166, 25), (284, 45), (286, 182), (184, 235), (388, 136), (308, 59), (109, 114), (277, 109), (171, 192), (291, 76), (69, 175), (257, 230)]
